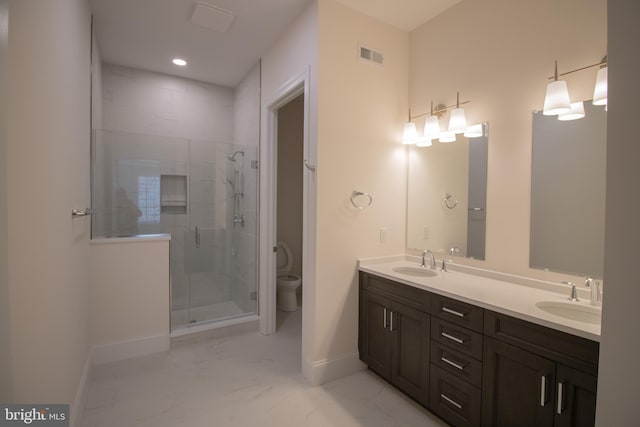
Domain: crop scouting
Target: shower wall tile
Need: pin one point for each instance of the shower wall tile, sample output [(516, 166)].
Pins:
[(144, 102)]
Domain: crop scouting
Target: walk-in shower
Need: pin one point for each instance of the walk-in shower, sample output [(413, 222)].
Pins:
[(204, 194)]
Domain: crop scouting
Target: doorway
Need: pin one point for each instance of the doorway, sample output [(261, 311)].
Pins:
[(289, 190), (295, 87)]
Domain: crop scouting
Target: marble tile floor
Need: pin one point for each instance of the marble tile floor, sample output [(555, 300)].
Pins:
[(245, 379)]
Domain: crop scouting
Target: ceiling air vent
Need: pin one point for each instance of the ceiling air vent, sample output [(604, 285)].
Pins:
[(370, 55)]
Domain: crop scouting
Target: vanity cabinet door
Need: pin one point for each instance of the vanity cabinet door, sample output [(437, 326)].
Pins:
[(374, 336), (518, 387), (575, 398), (410, 351)]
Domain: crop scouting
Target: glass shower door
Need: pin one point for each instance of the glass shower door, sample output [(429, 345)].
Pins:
[(217, 262)]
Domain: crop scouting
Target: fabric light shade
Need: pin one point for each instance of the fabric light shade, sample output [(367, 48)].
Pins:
[(432, 127), (576, 112), (410, 134), (457, 121), (600, 91), (447, 136), (556, 101), (424, 142), (474, 131)]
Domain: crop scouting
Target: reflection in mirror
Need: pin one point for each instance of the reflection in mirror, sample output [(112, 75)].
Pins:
[(447, 196), (568, 193)]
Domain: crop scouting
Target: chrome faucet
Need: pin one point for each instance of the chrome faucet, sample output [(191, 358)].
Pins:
[(574, 292), (444, 265), (432, 260), (596, 290)]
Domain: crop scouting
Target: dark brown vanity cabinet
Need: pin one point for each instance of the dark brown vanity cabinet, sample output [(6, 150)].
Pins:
[(536, 376), (394, 339), (456, 361), (475, 367)]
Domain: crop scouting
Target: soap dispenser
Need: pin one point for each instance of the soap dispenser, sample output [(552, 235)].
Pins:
[(596, 290)]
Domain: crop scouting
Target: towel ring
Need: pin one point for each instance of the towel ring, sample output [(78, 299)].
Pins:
[(448, 202), (357, 194)]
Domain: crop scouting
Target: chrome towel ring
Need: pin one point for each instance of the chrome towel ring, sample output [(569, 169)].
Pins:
[(356, 194), (449, 201)]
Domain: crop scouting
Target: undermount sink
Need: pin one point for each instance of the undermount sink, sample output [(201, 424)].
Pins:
[(571, 311), (415, 271)]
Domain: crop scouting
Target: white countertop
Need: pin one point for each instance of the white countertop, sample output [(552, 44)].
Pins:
[(140, 238), (512, 295)]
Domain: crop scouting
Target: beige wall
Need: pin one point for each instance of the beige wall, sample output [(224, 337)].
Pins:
[(48, 176), (361, 109), (619, 346), (498, 55), (129, 296), (5, 342), (290, 147), (295, 54)]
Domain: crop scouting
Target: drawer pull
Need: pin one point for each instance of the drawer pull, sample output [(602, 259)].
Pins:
[(450, 400), (454, 364), (560, 397), (452, 338), (450, 311), (543, 390)]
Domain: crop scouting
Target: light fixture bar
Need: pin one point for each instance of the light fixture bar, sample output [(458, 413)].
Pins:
[(599, 64), (439, 109)]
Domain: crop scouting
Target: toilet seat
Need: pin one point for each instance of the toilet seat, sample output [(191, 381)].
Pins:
[(287, 283), (284, 259)]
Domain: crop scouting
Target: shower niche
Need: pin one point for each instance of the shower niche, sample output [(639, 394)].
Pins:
[(173, 194)]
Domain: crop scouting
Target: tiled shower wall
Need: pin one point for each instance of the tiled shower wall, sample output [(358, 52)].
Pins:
[(162, 125)]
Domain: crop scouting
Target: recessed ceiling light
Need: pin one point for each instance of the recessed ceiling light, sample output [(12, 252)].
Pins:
[(179, 62)]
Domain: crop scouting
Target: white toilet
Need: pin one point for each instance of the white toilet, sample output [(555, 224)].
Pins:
[(287, 283)]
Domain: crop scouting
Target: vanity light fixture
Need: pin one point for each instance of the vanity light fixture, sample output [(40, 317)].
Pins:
[(432, 125), (410, 134), (556, 101), (457, 119), (576, 112), (179, 62)]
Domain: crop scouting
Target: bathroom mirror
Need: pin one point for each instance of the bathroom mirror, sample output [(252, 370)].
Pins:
[(447, 196), (568, 193)]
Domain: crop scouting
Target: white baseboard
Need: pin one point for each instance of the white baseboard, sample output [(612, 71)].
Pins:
[(77, 407), (132, 348), (326, 370)]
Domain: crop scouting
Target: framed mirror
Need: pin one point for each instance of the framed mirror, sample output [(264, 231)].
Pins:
[(447, 195), (568, 193)]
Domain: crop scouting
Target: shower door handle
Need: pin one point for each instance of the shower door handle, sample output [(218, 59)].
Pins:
[(197, 237)]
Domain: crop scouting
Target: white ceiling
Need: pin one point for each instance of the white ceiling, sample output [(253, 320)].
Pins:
[(148, 34), (404, 14)]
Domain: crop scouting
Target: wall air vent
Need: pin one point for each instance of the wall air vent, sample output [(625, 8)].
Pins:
[(370, 55)]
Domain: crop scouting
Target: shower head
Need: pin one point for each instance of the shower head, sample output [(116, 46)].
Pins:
[(232, 157)]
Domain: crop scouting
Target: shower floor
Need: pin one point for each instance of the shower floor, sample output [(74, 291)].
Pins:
[(218, 311)]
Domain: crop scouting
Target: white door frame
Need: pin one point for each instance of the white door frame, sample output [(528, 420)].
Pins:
[(294, 87)]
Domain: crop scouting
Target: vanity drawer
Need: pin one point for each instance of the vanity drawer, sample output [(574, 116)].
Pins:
[(571, 350), (456, 401), (457, 337), (405, 294), (457, 312), (456, 363)]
